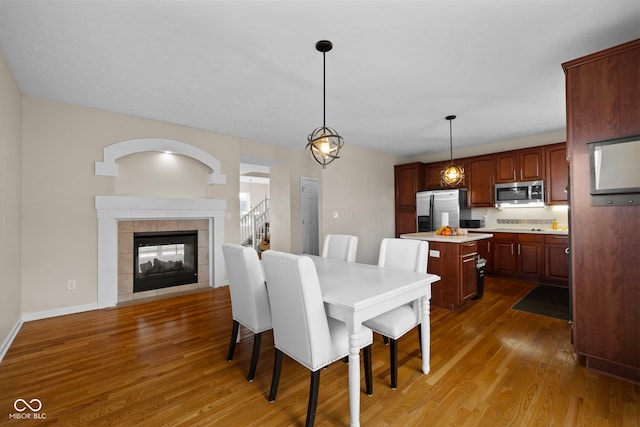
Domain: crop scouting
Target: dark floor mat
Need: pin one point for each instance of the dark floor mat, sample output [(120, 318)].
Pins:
[(550, 301)]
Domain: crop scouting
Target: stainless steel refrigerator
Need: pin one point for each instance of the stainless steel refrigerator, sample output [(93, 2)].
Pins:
[(431, 205)]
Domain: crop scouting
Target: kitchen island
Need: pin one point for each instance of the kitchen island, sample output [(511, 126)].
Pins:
[(453, 258)]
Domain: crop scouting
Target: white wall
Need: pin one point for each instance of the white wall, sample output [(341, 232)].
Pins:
[(10, 209)]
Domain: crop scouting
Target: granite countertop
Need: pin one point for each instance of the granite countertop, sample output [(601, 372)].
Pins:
[(521, 229), (433, 237)]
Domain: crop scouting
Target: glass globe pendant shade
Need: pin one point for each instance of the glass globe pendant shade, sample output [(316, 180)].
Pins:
[(324, 145), (452, 175)]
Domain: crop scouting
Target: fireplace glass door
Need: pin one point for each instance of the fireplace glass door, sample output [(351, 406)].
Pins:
[(164, 259)]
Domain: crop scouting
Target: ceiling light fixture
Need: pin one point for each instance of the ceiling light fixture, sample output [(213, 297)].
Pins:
[(452, 174), (324, 143)]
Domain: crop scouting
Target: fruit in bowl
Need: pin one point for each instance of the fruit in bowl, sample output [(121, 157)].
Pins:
[(447, 230)]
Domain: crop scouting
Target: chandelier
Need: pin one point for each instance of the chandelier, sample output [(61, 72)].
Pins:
[(452, 175), (324, 143)]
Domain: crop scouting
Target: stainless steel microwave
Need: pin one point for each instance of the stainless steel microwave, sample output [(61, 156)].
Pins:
[(517, 194)]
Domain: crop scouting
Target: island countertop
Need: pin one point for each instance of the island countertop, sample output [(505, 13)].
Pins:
[(431, 236)]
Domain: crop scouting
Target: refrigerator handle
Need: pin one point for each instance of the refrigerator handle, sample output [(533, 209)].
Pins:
[(431, 220)]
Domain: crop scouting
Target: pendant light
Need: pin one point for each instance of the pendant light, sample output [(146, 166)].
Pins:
[(452, 174), (324, 143)]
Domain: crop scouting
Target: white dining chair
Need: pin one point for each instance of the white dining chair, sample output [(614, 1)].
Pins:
[(406, 254), (301, 328), (340, 246), (249, 298)]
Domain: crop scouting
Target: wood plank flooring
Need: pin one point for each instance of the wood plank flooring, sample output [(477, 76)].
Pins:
[(163, 363)]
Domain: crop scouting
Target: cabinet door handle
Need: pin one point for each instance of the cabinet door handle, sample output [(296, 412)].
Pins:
[(566, 251), (469, 259), (518, 248), (489, 246), (511, 248), (514, 174)]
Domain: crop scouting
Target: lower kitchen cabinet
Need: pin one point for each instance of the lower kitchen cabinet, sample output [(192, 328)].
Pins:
[(517, 254), (556, 259), (455, 263)]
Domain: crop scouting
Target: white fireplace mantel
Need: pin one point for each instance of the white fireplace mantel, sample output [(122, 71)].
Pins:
[(111, 209)]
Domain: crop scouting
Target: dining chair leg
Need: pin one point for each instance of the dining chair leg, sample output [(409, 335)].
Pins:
[(232, 344), (257, 339), (368, 377), (393, 349), (385, 340), (420, 337), (313, 398), (275, 379)]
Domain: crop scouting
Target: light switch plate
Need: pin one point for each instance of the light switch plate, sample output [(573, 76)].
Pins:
[(434, 254)]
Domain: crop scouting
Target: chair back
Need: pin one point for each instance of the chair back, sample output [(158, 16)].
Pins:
[(249, 298), (405, 254), (300, 325), (340, 246)]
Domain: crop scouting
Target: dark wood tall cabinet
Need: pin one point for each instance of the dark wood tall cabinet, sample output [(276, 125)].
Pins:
[(603, 102), (409, 179)]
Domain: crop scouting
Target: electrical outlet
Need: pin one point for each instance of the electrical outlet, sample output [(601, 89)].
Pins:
[(71, 284)]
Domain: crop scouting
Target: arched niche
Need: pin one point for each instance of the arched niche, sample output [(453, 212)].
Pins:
[(111, 153)]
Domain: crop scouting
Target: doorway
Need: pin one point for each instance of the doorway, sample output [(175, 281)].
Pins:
[(309, 216)]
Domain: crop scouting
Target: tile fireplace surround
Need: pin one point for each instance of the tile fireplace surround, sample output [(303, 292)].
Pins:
[(126, 232), (112, 210)]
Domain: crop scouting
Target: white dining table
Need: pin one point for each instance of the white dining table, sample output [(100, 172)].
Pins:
[(354, 292)]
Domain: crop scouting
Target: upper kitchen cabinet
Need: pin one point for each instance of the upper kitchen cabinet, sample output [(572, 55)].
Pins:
[(479, 176), (519, 165), (557, 168), (409, 179)]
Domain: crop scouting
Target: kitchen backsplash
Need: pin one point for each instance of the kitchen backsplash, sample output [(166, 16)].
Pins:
[(542, 217)]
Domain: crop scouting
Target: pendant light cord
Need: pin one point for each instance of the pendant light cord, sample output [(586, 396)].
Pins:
[(324, 90), (451, 140)]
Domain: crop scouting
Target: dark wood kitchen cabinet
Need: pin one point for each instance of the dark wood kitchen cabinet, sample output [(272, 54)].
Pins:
[(518, 254), (603, 102), (557, 174), (519, 165), (455, 263), (484, 251), (556, 259), (409, 179), (479, 176)]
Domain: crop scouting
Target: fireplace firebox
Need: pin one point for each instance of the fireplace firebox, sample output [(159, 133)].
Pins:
[(164, 259)]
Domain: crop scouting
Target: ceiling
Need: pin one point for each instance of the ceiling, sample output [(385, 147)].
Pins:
[(250, 68)]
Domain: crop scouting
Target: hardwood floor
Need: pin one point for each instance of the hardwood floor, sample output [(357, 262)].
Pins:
[(164, 363)]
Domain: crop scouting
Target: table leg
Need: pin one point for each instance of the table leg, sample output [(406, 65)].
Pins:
[(426, 335), (354, 373)]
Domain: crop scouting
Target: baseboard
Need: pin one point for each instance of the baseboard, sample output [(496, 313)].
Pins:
[(9, 340), (27, 317)]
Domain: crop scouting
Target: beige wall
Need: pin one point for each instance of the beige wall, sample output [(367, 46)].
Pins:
[(496, 147), (60, 144), (10, 182), (359, 188)]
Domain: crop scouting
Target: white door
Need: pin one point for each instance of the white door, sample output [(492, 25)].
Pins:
[(309, 215)]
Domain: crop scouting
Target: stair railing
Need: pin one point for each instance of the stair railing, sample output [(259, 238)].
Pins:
[(254, 225)]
